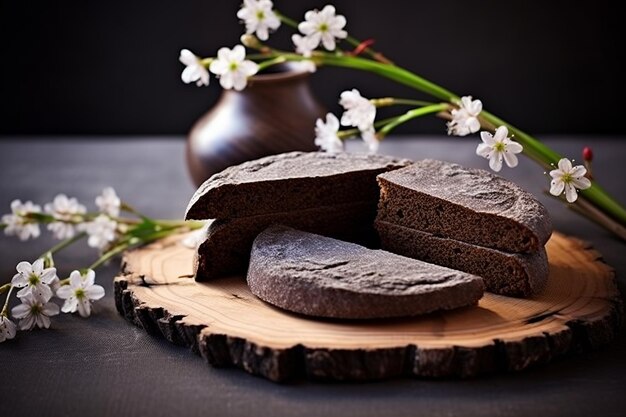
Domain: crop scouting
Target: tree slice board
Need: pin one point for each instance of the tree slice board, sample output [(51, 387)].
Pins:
[(228, 326)]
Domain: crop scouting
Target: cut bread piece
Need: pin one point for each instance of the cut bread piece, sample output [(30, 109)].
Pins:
[(226, 250), (290, 181), (319, 276), (470, 205), (516, 275)]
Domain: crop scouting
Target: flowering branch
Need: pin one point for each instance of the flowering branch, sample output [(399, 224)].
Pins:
[(315, 44), (70, 222)]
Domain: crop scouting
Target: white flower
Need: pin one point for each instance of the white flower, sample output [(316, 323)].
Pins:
[(68, 211), (7, 328), (233, 68), (101, 231), (371, 140), (568, 178), (323, 26), (326, 134), (108, 202), (465, 118), (304, 45), (258, 17), (360, 112), (498, 146), (34, 311), (195, 70), (34, 280), (80, 292), (17, 224)]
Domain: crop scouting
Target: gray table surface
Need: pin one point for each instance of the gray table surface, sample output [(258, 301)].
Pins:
[(105, 366)]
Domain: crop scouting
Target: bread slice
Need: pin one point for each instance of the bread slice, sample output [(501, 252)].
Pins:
[(226, 250), (469, 205), (319, 276), (290, 181), (510, 274)]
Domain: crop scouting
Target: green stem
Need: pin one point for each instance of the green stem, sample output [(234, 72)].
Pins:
[(286, 20), (392, 101), (270, 62), (5, 288), (412, 114), (392, 72), (64, 244), (348, 133), (532, 147)]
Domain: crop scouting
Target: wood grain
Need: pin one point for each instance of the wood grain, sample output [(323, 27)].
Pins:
[(580, 309)]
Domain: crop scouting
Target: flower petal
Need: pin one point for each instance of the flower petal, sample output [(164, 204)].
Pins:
[(84, 308), (50, 309), (70, 305), (218, 67), (76, 279), (43, 322), (48, 275), (487, 138), (187, 57), (223, 54), (248, 68), (556, 173), (495, 162), (238, 53), (556, 187), (43, 292), (473, 124), (38, 266), (27, 323), (510, 159), (578, 171), (20, 311), (581, 183), (19, 280), (514, 147), (483, 150), (502, 133), (328, 40), (65, 292), (570, 193), (565, 165), (95, 292), (24, 268)]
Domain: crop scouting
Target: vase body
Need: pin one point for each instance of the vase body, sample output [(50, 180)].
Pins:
[(275, 113)]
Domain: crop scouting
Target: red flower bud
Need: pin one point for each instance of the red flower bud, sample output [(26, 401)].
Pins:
[(587, 154)]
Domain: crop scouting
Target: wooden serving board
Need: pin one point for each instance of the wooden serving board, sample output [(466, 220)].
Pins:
[(221, 320)]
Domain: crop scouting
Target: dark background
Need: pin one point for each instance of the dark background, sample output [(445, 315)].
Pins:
[(94, 67)]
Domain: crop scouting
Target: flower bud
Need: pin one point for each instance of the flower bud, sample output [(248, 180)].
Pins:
[(587, 154), (251, 41)]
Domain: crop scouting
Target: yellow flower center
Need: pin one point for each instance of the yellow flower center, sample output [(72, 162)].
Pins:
[(567, 178), (35, 309), (260, 15), (33, 280), (233, 66), (323, 27), (499, 147), (80, 293)]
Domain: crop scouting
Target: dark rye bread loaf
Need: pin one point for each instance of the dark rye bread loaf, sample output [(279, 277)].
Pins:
[(510, 274), (470, 205), (319, 276), (290, 181), (226, 250)]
